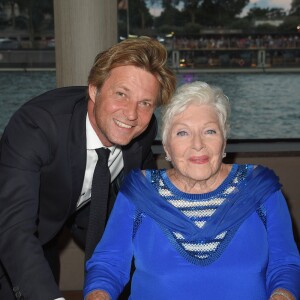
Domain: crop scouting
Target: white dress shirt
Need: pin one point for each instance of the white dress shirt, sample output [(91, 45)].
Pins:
[(115, 162)]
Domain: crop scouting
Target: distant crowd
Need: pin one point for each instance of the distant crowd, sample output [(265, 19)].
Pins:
[(266, 41)]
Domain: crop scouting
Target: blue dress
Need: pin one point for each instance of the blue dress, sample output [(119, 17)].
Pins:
[(250, 254)]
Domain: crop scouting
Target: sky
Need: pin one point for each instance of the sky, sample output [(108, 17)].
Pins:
[(285, 4)]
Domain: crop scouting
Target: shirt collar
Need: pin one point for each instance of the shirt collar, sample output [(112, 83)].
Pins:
[(92, 140)]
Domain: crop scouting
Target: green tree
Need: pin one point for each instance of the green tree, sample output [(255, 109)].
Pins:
[(221, 12), (276, 13), (289, 25), (170, 16), (32, 16), (164, 3), (295, 8), (266, 13), (257, 13), (133, 17), (36, 11), (291, 22), (12, 4), (168, 3), (191, 7), (140, 16)]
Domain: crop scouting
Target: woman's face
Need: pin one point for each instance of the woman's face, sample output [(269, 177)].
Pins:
[(195, 143)]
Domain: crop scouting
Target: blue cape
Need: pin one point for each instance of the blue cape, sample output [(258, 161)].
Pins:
[(249, 195)]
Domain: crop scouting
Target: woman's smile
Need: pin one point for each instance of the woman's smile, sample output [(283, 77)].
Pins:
[(203, 159)]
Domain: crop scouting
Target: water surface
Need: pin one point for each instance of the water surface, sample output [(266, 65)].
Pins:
[(264, 106)]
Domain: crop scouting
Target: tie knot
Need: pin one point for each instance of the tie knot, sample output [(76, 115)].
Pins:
[(103, 154)]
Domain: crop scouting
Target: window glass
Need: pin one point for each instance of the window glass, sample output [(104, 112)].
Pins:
[(252, 51)]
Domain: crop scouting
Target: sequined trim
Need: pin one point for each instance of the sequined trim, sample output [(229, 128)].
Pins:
[(262, 213), (138, 217)]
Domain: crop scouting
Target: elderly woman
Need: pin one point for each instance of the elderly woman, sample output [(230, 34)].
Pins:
[(201, 229)]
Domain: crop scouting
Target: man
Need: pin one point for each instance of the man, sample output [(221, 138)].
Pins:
[(47, 158)]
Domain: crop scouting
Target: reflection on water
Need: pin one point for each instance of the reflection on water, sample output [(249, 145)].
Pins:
[(263, 105), (18, 87)]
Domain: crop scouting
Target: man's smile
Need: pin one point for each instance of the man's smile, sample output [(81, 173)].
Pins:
[(123, 125)]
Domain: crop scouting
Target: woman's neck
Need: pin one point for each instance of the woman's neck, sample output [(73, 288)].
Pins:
[(192, 186)]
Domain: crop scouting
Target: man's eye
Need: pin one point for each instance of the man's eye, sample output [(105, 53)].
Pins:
[(121, 94), (145, 103)]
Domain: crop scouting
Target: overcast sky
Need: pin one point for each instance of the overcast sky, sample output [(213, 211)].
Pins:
[(285, 4)]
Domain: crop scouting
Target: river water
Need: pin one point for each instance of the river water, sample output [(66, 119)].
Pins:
[(264, 105)]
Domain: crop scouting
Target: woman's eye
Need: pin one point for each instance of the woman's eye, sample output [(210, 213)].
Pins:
[(181, 133), (211, 131)]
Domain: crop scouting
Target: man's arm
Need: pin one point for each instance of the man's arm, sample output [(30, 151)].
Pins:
[(25, 149)]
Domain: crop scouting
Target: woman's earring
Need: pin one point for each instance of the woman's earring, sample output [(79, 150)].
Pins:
[(167, 158), (224, 154)]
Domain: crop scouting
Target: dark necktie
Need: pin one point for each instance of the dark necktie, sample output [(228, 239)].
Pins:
[(99, 199)]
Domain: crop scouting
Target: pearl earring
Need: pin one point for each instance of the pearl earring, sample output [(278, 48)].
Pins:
[(224, 154), (167, 158)]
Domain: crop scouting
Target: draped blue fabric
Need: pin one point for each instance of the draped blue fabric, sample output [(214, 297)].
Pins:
[(249, 196), (248, 261)]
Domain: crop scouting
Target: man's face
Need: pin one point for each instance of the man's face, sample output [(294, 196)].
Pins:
[(122, 109)]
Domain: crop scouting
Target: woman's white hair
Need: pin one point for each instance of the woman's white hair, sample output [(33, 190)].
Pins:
[(200, 93)]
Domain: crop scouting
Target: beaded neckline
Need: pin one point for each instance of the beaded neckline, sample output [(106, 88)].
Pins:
[(203, 196)]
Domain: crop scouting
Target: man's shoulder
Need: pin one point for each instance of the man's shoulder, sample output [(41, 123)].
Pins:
[(60, 98)]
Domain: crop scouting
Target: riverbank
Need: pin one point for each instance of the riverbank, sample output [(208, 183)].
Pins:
[(176, 70), (239, 70), (182, 61)]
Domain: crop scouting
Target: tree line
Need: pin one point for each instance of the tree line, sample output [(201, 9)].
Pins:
[(180, 16), (193, 16)]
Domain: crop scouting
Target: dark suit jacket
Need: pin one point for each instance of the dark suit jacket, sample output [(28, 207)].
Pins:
[(42, 165)]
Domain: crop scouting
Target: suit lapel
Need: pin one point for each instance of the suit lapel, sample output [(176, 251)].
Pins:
[(77, 150)]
